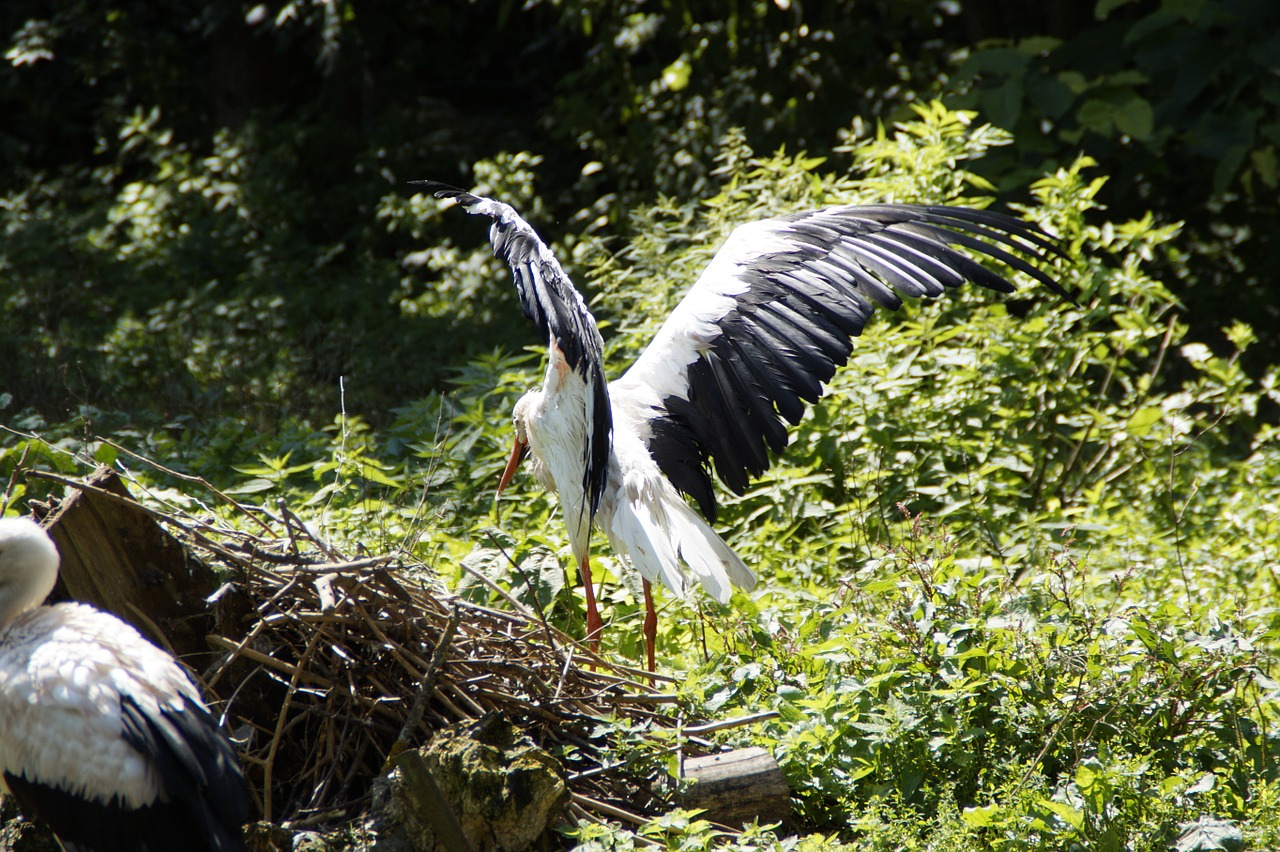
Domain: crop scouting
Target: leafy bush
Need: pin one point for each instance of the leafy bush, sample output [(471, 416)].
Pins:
[(1180, 101), (1065, 638)]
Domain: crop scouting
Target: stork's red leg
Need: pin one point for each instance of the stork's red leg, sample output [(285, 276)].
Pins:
[(594, 624), (650, 628)]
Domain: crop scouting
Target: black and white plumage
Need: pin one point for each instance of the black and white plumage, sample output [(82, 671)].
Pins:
[(769, 321), (102, 735)]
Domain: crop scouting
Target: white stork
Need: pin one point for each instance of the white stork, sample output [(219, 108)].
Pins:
[(769, 320), (102, 734)]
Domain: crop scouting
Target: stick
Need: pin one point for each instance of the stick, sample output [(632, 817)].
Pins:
[(414, 718)]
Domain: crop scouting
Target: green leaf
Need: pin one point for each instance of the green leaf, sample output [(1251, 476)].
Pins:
[(1264, 165), (105, 454), (1098, 115), (1209, 833), (1136, 118), (1070, 815), (1189, 10), (676, 75), (981, 817), (251, 486), (1142, 421), (1104, 8)]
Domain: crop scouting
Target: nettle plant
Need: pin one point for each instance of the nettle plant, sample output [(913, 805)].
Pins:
[(1018, 564), (1018, 567)]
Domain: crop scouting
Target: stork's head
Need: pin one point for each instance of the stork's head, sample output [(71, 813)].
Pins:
[(28, 566), (527, 408), (524, 417)]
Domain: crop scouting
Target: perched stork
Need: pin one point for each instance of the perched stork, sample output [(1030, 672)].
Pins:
[(102, 734), (769, 320)]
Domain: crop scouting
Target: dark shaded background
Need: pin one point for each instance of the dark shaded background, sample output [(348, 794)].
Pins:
[(204, 207)]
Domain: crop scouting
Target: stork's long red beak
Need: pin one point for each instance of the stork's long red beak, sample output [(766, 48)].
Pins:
[(517, 455)]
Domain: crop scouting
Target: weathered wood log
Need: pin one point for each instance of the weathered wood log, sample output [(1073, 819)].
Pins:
[(434, 807), (738, 786), (116, 557)]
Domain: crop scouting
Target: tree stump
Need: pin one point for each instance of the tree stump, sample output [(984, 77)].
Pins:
[(737, 787), (116, 557)]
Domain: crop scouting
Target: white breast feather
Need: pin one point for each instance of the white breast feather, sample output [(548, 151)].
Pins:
[(557, 433), (63, 670)]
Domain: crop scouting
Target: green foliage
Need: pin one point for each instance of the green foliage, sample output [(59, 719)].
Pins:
[(1065, 640), (163, 218), (1148, 76), (234, 233), (681, 74), (999, 684), (1045, 718), (1179, 99)]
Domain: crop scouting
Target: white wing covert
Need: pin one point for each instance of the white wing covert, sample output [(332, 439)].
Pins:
[(772, 318)]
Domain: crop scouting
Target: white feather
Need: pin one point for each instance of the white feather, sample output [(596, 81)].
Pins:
[(553, 421), (64, 671), (650, 525)]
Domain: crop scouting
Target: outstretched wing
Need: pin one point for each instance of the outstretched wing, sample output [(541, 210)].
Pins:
[(550, 300), (772, 317)]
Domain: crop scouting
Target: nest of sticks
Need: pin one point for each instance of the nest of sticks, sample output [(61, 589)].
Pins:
[(324, 666), (345, 661)]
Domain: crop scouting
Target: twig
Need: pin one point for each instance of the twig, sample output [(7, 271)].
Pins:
[(341, 567), (157, 635), (608, 809), (428, 686), (186, 477), (577, 811), (292, 520), (269, 765), (515, 604), (81, 485), (13, 477), (533, 593), (726, 724), (267, 660), (605, 769), (474, 708)]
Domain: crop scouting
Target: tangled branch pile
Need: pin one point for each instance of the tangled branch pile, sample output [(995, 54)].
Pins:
[(327, 666), (342, 660)]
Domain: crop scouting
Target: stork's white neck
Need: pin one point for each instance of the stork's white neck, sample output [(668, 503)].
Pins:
[(28, 567)]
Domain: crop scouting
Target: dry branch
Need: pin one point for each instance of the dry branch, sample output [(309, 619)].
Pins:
[(321, 664)]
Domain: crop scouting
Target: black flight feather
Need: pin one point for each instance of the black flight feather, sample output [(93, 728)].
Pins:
[(549, 299), (791, 325)]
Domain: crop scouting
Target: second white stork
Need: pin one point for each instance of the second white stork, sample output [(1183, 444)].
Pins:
[(769, 321), (102, 735)]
